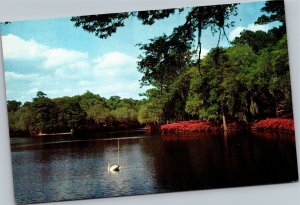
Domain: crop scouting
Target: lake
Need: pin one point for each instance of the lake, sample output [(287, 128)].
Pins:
[(57, 168)]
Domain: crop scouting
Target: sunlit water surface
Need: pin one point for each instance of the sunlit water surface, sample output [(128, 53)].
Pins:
[(67, 168)]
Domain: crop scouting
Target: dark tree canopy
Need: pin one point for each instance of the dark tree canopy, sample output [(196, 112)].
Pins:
[(275, 12), (13, 105), (105, 25), (155, 63), (256, 40)]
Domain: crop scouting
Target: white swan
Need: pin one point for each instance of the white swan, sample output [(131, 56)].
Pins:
[(116, 167), (113, 168)]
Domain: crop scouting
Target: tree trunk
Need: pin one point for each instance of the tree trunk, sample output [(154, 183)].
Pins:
[(224, 123)]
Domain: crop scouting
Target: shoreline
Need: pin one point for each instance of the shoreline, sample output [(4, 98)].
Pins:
[(55, 134), (196, 126)]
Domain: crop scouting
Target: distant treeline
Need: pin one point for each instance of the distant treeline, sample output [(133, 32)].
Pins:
[(87, 111)]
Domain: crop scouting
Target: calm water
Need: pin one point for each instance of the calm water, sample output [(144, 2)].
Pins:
[(61, 168)]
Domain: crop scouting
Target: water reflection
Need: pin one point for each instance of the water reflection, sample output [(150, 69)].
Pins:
[(54, 169)]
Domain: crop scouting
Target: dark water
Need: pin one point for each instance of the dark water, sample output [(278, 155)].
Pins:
[(61, 168)]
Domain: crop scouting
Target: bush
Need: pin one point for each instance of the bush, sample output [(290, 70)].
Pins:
[(274, 124), (189, 126)]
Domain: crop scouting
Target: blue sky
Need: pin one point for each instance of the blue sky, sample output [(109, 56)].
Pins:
[(55, 57)]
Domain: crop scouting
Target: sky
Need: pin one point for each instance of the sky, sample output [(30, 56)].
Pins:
[(59, 59)]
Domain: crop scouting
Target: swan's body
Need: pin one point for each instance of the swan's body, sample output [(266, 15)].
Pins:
[(113, 168)]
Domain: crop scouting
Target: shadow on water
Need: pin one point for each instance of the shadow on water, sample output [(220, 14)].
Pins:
[(55, 169)]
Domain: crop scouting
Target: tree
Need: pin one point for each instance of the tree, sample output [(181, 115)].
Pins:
[(236, 97), (146, 116), (257, 40), (13, 105), (155, 103), (88, 100), (113, 102), (23, 119), (221, 88), (125, 115), (205, 90), (44, 112), (197, 20), (40, 95), (70, 114), (100, 113), (274, 11), (280, 84), (165, 57)]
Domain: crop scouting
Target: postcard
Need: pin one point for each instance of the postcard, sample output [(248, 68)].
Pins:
[(146, 102)]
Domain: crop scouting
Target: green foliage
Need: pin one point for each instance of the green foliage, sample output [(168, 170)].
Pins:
[(241, 84), (22, 119), (256, 40), (275, 12), (99, 113), (44, 113), (88, 111), (146, 116), (113, 102), (155, 105), (69, 113), (102, 25), (125, 115), (88, 100), (13, 105)]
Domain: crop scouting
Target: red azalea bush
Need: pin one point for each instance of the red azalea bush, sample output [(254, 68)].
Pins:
[(189, 126), (275, 124)]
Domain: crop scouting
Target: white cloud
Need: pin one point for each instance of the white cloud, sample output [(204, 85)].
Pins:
[(252, 27), (204, 52), (15, 47), (255, 27), (115, 65), (18, 76), (80, 65), (85, 83), (59, 72), (113, 59), (75, 71), (58, 57)]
